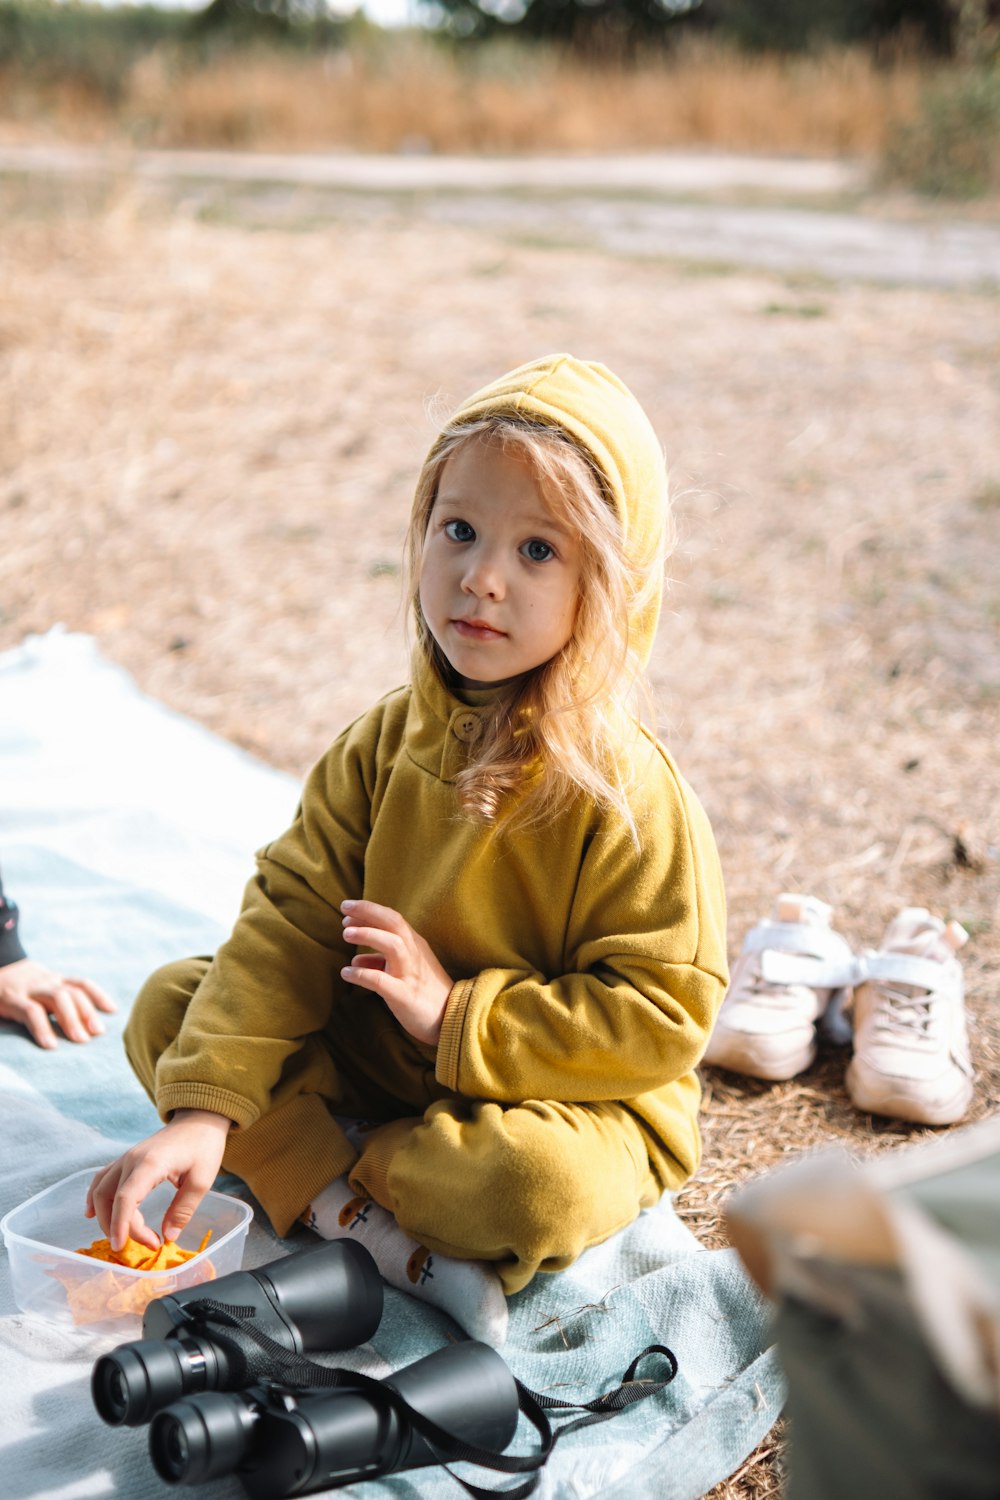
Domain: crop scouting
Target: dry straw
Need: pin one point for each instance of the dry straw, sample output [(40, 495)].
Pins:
[(410, 94)]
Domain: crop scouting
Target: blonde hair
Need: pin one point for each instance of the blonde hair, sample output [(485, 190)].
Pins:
[(572, 724)]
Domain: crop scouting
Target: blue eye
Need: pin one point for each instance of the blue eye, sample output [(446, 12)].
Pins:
[(537, 551), (459, 531)]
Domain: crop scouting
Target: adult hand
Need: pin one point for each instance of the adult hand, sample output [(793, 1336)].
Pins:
[(402, 969), (30, 993), (187, 1152)]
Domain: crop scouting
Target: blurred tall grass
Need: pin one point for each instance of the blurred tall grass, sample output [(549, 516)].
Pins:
[(951, 146), (157, 77)]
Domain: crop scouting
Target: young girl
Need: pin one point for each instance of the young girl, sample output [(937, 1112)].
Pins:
[(495, 932)]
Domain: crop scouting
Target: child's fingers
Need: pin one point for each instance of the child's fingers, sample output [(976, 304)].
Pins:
[(392, 947), (72, 1010), (90, 1206), (127, 1219), (94, 993), (375, 979), (36, 1021), (39, 1026), (101, 1195), (113, 1199), (86, 1010), (47, 994), (181, 1211), (139, 1230), (31, 1011), (118, 1200), (372, 914)]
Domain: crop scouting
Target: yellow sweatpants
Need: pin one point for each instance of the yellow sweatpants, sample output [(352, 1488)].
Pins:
[(527, 1186)]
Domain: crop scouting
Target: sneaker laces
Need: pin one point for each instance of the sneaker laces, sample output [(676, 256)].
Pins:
[(754, 986), (911, 1012), (914, 1021), (904, 1014)]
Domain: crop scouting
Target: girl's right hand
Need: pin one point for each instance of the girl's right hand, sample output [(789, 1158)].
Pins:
[(187, 1152)]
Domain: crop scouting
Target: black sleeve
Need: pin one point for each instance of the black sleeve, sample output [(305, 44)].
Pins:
[(10, 943)]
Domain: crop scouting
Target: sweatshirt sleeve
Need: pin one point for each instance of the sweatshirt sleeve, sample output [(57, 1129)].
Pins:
[(271, 985), (10, 943), (645, 974)]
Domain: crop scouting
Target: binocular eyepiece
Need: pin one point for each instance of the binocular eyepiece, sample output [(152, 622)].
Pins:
[(328, 1297), (280, 1443)]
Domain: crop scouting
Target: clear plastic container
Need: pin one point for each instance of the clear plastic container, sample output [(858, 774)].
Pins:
[(51, 1280)]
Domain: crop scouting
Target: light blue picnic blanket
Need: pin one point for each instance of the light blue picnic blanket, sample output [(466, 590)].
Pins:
[(126, 836)]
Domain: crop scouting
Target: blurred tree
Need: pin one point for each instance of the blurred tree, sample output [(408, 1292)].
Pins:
[(789, 25), (602, 26), (977, 32), (926, 24), (305, 20)]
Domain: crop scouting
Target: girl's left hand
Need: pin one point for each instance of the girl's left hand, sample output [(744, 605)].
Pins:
[(402, 969)]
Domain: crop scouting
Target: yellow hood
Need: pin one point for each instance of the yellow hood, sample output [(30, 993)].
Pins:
[(592, 406)]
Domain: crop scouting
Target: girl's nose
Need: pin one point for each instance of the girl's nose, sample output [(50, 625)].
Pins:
[(483, 579)]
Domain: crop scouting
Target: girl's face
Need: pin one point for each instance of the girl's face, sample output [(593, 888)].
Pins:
[(499, 576)]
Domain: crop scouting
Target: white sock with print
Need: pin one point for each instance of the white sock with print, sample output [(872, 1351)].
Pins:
[(468, 1290)]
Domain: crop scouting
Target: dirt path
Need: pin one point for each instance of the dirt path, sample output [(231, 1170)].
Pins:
[(667, 206)]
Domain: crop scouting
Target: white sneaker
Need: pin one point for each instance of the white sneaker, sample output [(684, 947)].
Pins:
[(911, 1046), (794, 972)]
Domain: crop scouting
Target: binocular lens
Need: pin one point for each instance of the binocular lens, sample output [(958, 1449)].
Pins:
[(114, 1394), (201, 1439), (176, 1449), (133, 1381)]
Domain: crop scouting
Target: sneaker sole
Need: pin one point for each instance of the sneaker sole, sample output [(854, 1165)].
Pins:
[(741, 1057), (879, 1097)]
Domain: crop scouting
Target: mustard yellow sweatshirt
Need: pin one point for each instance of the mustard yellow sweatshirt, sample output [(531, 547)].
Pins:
[(584, 968)]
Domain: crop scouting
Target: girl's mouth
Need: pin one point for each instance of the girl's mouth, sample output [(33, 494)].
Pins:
[(478, 630)]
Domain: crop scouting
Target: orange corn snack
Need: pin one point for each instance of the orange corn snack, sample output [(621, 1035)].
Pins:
[(139, 1257), (107, 1295)]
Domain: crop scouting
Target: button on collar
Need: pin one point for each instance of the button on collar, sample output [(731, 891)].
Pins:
[(467, 726)]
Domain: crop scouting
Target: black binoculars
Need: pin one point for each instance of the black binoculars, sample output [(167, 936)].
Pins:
[(328, 1297), (280, 1443), (223, 1378)]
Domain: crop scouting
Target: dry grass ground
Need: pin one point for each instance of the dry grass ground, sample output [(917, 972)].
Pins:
[(208, 438)]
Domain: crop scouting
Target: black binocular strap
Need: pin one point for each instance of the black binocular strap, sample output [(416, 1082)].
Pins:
[(268, 1362)]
